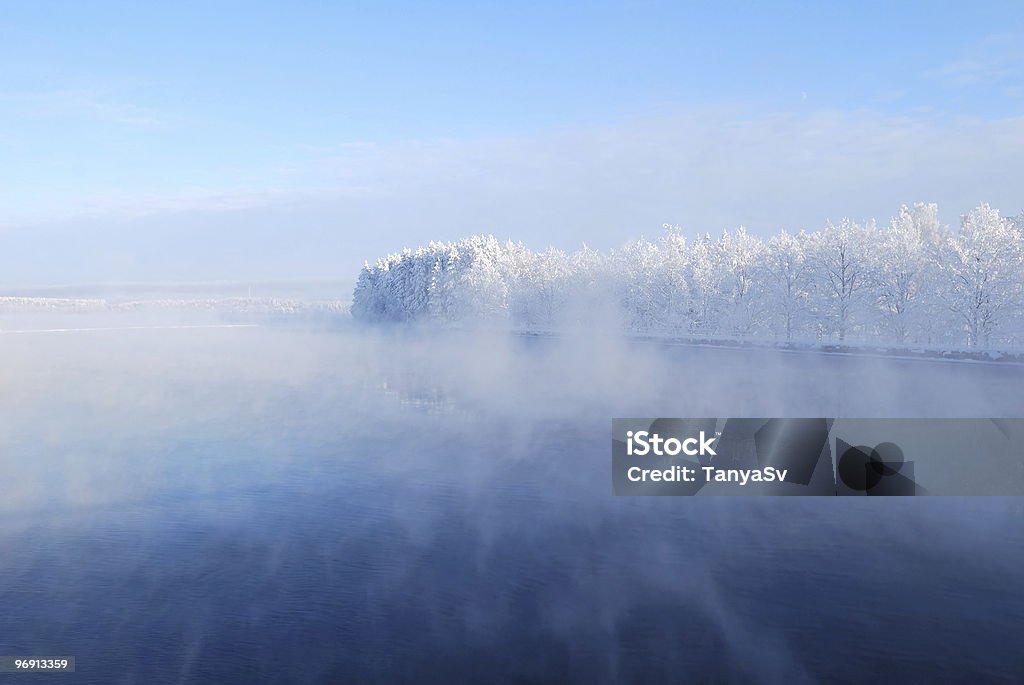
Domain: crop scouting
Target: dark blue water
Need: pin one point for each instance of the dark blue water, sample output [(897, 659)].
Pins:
[(318, 508)]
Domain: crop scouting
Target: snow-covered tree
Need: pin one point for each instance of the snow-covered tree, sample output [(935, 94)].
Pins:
[(704, 281), (786, 281), (911, 282), (838, 258), (674, 264), (900, 269), (983, 264), (1018, 221), (740, 258), (539, 286), (637, 266)]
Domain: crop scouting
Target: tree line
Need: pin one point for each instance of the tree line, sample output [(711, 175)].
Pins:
[(913, 281)]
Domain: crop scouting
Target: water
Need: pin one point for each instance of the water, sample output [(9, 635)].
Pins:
[(258, 505)]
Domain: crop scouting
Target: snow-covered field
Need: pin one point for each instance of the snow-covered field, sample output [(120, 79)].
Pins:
[(42, 314), (234, 305)]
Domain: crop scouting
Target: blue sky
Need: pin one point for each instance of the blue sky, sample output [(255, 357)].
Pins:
[(293, 140)]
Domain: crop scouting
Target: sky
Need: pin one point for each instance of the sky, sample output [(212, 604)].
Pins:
[(216, 140)]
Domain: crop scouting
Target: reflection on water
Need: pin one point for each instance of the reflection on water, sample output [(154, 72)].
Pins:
[(251, 506)]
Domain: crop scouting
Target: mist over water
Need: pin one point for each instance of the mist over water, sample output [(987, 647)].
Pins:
[(371, 505)]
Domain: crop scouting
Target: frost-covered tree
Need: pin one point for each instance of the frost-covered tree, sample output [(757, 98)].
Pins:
[(484, 290), (674, 265), (442, 289), (704, 281), (910, 282), (539, 286), (786, 281), (367, 299), (740, 259), (590, 295), (983, 264), (838, 258), (900, 271), (1018, 221), (639, 285)]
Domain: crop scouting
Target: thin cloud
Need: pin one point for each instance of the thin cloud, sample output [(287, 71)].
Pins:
[(995, 60), (718, 169), (706, 170), (94, 104)]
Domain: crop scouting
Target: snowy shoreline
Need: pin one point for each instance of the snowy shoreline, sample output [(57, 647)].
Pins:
[(34, 314), (831, 349)]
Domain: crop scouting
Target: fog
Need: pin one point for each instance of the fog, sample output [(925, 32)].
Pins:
[(93, 411), (400, 503)]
